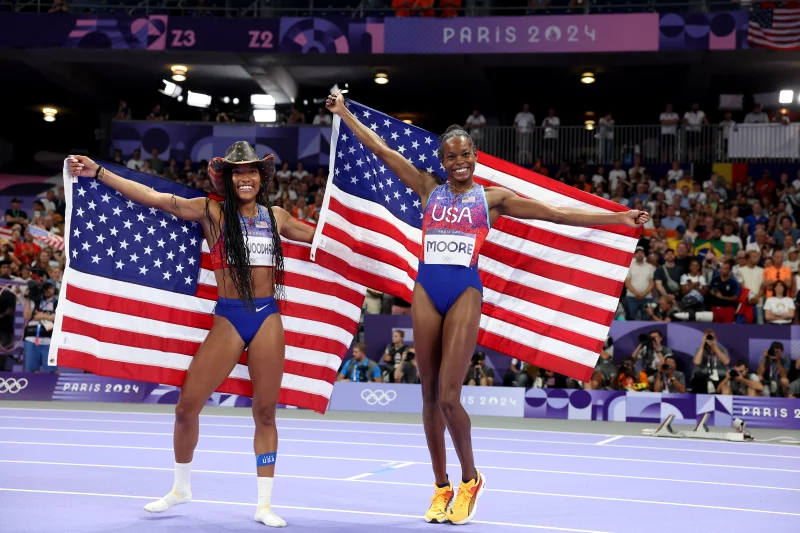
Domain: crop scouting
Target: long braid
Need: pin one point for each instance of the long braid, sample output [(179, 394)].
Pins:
[(236, 253), (263, 199)]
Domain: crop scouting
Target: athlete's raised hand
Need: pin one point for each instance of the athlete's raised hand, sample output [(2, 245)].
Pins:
[(335, 103), (82, 166)]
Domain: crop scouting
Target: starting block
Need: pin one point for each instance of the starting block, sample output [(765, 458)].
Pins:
[(701, 431)]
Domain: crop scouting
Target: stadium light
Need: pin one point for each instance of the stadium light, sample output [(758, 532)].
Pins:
[(262, 100), (589, 123), (170, 89), (180, 98), (786, 96), (235, 101), (179, 72), (265, 115), (49, 114), (381, 78), (407, 121), (226, 100), (198, 99), (587, 78)]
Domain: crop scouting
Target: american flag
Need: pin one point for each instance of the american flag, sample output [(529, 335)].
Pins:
[(778, 29), (138, 296), (41, 235), (550, 291)]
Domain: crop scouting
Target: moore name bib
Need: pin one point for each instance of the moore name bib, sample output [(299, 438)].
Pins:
[(445, 247)]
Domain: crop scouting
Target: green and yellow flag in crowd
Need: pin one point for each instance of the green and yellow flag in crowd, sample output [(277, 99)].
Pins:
[(703, 246)]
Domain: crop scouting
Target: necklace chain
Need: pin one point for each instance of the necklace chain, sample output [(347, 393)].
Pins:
[(254, 215), (457, 190)]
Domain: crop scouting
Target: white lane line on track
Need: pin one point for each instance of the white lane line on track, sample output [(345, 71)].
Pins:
[(405, 424), (410, 434), (293, 507), (612, 439), (408, 446), (427, 486), (359, 476), (422, 463)]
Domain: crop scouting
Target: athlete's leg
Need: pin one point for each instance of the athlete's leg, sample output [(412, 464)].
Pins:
[(209, 367), (428, 347), (459, 337), (265, 358)]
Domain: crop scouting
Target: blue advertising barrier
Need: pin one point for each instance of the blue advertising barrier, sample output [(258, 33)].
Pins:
[(558, 404)]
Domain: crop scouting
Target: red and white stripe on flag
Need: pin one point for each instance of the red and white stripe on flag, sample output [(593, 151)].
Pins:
[(120, 329), (550, 291)]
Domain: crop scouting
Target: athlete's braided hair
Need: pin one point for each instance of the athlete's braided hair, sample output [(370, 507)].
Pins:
[(236, 253), (451, 132)]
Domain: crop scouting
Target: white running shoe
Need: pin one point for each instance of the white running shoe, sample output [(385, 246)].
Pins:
[(266, 516), (170, 500)]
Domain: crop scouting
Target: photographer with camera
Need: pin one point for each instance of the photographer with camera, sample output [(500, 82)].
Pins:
[(710, 364), (393, 356), (740, 381), (629, 379), (358, 368), (40, 314), (407, 371), (669, 378), (478, 373), (651, 352), (773, 370), (605, 371)]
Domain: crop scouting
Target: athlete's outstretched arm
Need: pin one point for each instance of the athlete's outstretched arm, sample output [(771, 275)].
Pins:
[(420, 182), (510, 204), (187, 209), (291, 228)]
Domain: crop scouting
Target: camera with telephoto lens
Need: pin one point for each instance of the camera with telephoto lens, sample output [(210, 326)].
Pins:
[(35, 290), (665, 367), (646, 341), (771, 353), (361, 373), (410, 355), (477, 359), (709, 337)]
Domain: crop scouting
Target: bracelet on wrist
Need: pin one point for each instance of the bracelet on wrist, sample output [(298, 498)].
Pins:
[(97, 172)]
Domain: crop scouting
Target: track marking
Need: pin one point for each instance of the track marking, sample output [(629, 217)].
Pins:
[(407, 446), (612, 439), (359, 478), (407, 424), (293, 507), (482, 467)]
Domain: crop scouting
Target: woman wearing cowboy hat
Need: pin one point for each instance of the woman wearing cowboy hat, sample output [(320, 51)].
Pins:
[(243, 234)]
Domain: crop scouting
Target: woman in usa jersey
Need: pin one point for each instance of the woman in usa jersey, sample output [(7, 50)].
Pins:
[(447, 297)]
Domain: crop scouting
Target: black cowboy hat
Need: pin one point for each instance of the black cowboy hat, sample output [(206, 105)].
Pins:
[(239, 153)]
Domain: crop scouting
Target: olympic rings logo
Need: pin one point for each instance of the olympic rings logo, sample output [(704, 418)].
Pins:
[(12, 386), (378, 397)]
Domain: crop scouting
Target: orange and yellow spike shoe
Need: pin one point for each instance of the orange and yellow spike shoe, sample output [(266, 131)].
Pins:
[(437, 512), (466, 504)]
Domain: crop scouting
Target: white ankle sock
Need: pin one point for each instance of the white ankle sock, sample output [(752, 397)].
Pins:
[(265, 490), (264, 514), (181, 490)]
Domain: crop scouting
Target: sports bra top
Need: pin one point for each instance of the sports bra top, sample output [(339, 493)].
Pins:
[(257, 234), (454, 227)]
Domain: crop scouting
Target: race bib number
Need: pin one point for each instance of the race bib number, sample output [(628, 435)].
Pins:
[(449, 249), (261, 251)]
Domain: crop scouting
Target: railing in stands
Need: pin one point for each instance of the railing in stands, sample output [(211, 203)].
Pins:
[(707, 144)]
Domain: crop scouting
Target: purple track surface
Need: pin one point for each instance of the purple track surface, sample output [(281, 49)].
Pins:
[(92, 471)]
